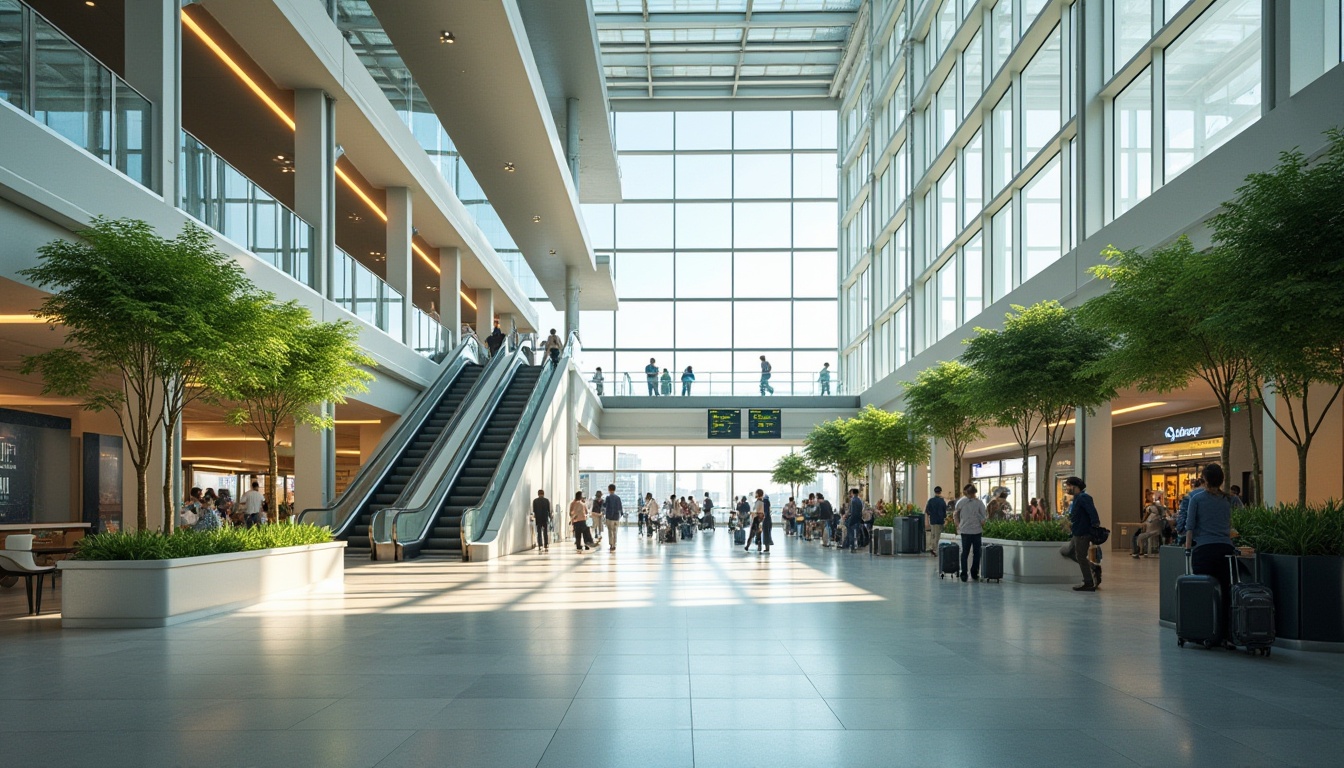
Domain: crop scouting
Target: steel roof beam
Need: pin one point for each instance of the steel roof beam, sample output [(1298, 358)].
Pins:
[(758, 20)]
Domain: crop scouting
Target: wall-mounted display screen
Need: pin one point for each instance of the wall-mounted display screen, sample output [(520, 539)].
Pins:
[(725, 424), (764, 423)]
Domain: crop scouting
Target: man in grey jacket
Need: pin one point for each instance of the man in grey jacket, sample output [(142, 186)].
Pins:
[(970, 516)]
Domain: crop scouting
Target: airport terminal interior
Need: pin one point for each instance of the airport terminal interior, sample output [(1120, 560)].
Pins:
[(408, 382)]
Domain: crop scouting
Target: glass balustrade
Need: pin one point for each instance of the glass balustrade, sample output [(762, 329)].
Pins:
[(219, 196), (50, 77), (366, 296), (429, 337), (715, 383)]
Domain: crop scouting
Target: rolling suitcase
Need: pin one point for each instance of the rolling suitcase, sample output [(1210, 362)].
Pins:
[(992, 568), (1199, 609), (949, 558), (1250, 620), (687, 531), (739, 536)]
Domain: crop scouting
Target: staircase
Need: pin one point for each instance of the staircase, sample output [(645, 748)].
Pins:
[(445, 538), (415, 452)]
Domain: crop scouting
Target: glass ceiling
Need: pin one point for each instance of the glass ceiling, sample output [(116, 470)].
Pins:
[(698, 49)]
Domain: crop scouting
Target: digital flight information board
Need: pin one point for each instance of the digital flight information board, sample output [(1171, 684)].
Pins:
[(764, 423), (725, 424)]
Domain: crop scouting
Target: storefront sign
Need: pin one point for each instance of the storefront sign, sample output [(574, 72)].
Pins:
[(1182, 433)]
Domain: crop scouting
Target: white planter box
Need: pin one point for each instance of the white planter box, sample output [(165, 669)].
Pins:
[(159, 593), (1033, 562)]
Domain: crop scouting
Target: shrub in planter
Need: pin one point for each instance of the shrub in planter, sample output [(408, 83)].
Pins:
[(885, 521), (152, 545), (1026, 530), (1293, 529), (1300, 554)]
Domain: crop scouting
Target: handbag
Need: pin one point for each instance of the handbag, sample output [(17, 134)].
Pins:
[(1099, 535)]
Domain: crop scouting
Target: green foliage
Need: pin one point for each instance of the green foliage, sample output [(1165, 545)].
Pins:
[(1292, 529), (152, 545), (1030, 376), (1026, 530), (793, 470), (939, 403), (886, 440), (886, 521), (826, 447)]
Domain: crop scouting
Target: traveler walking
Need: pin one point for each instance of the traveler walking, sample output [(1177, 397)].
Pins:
[(765, 377), (754, 535), (666, 381), (829, 520), (541, 517), (809, 516), (650, 514), (687, 379), (553, 347), (598, 381), (707, 507), (767, 524), (970, 515), (1208, 525), (824, 378), (253, 504), (495, 341), (1082, 518), (578, 517), (596, 513), (789, 514), (935, 517), (612, 505), (853, 521), (651, 375)]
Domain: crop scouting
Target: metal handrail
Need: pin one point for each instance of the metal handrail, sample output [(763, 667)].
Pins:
[(730, 383), (389, 519), (357, 494), (512, 451)]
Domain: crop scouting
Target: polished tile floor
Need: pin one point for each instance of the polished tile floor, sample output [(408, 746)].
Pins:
[(689, 654)]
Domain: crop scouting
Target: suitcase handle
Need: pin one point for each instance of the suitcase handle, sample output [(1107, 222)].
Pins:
[(1189, 553), (1236, 572)]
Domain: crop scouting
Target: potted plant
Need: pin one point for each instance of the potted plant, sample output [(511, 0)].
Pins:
[(1300, 555)]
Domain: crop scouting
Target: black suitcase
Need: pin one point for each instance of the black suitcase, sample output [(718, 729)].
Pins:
[(687, 531), (949, 558), (1250, 621), (670, 535), (739, 536), (992, 567), (1199, 609)]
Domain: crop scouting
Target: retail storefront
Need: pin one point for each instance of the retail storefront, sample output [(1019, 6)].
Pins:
[(1169, 470)]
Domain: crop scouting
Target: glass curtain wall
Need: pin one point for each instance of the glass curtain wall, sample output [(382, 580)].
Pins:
[(959, 178), (724, 249), (723, 471)]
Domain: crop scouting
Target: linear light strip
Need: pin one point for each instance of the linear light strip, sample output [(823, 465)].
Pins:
[(289, 121)]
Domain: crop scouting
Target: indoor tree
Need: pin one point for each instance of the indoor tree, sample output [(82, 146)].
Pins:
[(1163, 337), (1280, 241), (1032, 375), (112, 294), (793, 470), (939, 403), (307, 364), (886, 440), (826, 447)]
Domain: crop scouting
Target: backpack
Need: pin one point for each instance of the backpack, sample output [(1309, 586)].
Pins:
[(1099, 535)]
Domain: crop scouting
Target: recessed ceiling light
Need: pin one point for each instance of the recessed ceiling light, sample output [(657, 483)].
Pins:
[(536, 219), (90, 3), (447, 38), (552, 251), (509, 167), (432, 288)]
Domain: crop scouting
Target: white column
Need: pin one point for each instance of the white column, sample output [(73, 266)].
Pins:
[(571, 300), (399, 253), (1092, 457), (485, 312), (943, 472), (153, 44), (315, 179), (450, 284), (314, 464)]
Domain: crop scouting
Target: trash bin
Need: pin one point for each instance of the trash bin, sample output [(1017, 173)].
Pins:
[(910, 535), (883, 541)]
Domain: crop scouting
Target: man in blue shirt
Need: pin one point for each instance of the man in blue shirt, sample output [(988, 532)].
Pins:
[(854, 520), (611, 512), (935, 517), (1082, 519), (1197, 487), (651, 374)]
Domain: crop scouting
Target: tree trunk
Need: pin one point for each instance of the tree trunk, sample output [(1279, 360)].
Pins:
[(1048, 485), (1026, 470), (956, 469), (1257, 494), (273, 481), (1226, 453), (169, 487), (142, 496), (1302, 449)]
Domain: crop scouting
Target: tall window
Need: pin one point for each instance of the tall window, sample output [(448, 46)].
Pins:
[(1131, 27), (725, 248), (947, 298), (972, 279), (1134, 143), (1041, 87), (1042, 222)]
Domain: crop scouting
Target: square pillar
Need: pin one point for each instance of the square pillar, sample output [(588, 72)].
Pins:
[(153, 45), (1092, 457), (942, 472), (399, 254), (314, 464), (450, 286), (485, 312), (571, 301), (315, 181)]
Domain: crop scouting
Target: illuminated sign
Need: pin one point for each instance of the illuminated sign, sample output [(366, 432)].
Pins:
[(1178, 433), (764, 423), (725, 424)]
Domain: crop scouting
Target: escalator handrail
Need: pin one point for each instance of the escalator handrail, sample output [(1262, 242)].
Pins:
[(344, 509), (472, 529), (389, 518)]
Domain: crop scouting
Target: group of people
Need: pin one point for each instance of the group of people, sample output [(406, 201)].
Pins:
[(660, 380), (849, 527), (207, 510), (1163, 525)]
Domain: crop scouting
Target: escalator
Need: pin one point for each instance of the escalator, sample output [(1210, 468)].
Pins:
[(394, 481), (444, 537)]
